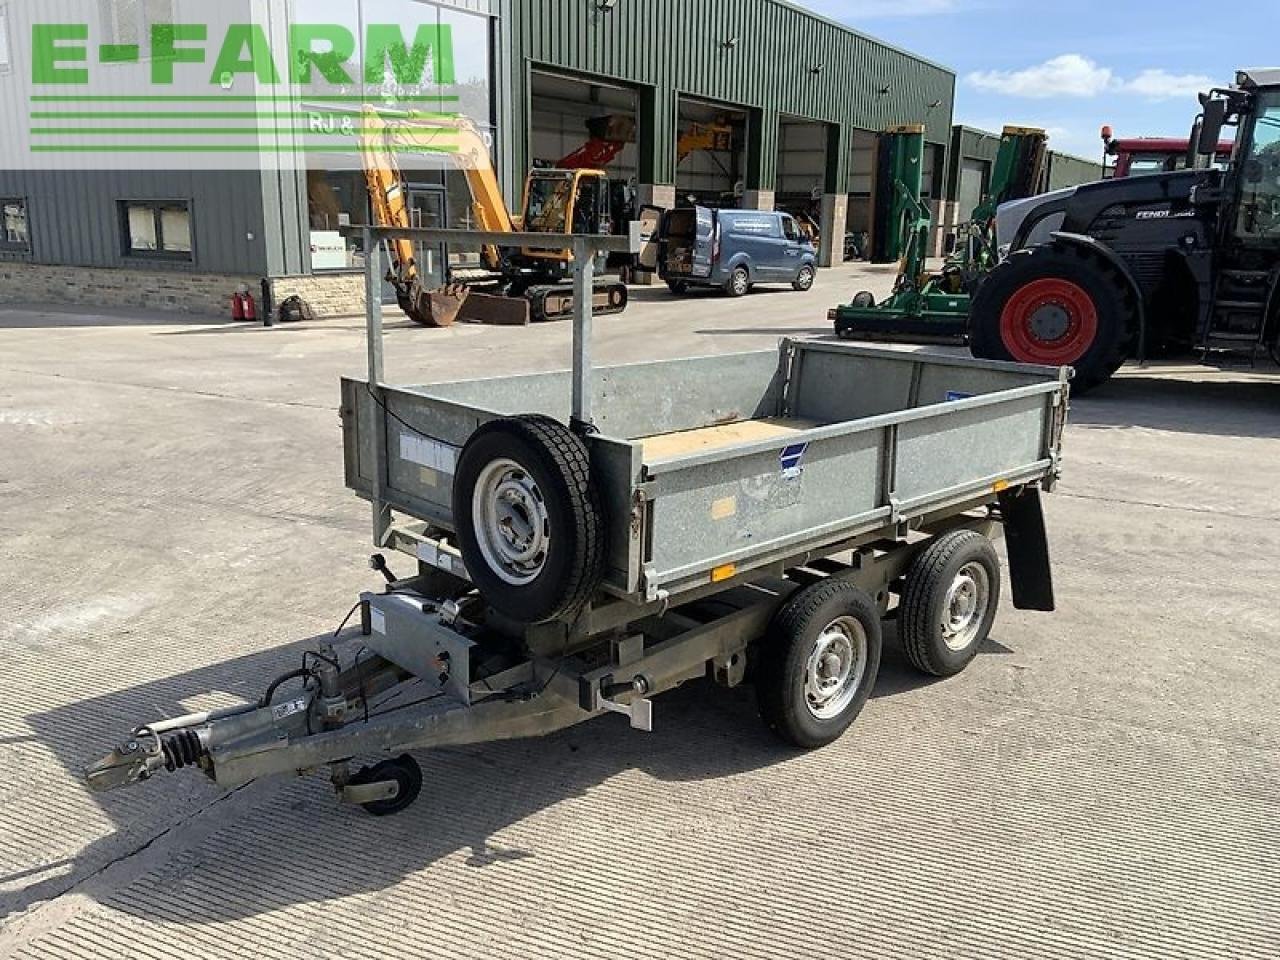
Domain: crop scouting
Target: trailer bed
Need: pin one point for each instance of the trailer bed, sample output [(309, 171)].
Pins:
[(712, 467)]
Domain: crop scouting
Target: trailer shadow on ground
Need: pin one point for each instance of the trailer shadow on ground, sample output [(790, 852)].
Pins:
[(1226, 404), (247, 849)]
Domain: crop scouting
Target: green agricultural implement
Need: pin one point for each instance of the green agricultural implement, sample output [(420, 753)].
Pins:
[(934, 307)]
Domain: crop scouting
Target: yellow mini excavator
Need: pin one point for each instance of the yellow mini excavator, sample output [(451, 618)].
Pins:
[(526, 284)]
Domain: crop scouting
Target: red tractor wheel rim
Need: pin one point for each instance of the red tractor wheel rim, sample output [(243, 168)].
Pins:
[(1049, 321)]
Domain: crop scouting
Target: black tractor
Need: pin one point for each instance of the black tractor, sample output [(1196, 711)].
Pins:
[(1121, 269)]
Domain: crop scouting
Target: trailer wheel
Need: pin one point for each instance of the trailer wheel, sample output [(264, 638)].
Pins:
[(949, 602), (529, 521), (864, 300), (1055, 305), (739, 283), (406, 773), (819, 662)]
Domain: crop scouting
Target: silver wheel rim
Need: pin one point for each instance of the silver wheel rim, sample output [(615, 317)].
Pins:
[(964, 609), (835, 668), (513, 529), (806, 278), (740, 282)]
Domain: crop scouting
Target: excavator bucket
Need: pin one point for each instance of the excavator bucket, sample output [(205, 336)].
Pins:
[(497, 311), (439, 307)]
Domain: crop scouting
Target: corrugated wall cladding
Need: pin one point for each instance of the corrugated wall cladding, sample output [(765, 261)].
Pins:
[(969, 143), (680, 47), (73, 217), (1068, 171)]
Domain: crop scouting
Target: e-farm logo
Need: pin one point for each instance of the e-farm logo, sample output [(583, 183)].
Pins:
[(298, 90)]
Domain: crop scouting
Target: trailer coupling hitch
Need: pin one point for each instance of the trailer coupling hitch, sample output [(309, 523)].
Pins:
[(145, 753)]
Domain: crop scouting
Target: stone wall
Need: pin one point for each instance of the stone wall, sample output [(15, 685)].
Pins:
[(336, 295), (330, 295), (200, 293)]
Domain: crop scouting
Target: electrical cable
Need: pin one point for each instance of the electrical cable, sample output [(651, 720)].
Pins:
[(400, 420), (359, 665), (345, 620), (406, 706), (321, 657), (280, 681)]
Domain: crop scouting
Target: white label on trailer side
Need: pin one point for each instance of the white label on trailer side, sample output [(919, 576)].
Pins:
[(428, 453), (378, 621)]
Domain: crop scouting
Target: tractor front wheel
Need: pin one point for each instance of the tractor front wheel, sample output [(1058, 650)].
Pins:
[(1055, 305)]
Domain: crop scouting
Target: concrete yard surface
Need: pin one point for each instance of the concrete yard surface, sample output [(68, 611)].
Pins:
[(1101, 782)]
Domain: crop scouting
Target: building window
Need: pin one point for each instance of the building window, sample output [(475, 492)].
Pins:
[(13, 224), (156, 228), (130, 21), (6, 58), (336, 199)]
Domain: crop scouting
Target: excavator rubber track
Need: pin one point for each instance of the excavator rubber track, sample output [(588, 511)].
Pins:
[(553, 302)]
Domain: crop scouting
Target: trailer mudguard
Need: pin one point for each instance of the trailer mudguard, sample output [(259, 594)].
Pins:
[(1030, 570), (1109, 255)]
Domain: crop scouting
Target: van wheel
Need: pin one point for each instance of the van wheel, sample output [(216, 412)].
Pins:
[(804, 280), (678, 287), (739, 284)]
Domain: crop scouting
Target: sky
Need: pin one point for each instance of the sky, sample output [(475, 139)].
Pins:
[(1072, 66)]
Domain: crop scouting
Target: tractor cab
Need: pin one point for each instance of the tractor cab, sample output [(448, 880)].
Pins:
[(1252, 208), (1245, 308)]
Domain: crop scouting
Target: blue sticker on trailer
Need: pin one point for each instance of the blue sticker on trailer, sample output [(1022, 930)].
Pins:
[(792, 460)]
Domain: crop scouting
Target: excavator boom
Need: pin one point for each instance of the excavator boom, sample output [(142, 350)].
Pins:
[(532, 282), (382, 141)]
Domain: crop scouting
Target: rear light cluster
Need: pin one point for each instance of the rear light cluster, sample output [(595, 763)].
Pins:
[(715, 245)]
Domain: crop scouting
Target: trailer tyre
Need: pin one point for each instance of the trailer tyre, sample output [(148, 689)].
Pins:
[(529, 521), (1058, 305), (949, 602), (818, 663)]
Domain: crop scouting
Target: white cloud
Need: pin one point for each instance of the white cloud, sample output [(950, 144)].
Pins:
[(1163, 85), (1068, 75), (1073, 75)]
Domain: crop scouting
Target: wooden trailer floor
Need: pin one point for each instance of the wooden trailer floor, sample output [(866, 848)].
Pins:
[(667, 446)]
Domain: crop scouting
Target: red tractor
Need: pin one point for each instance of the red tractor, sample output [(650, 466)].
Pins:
[(1134, 156)]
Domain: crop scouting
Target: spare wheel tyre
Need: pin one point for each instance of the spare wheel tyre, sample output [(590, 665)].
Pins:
[(529, 522)]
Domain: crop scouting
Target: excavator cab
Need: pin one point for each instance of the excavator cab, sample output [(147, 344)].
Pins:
[(530, 284), (565, 201)]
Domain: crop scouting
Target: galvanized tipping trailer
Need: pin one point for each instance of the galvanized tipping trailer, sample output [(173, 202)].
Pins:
[(584, 541)]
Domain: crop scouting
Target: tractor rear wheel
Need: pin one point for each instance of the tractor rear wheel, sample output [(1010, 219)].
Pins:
[(1055, 305)]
